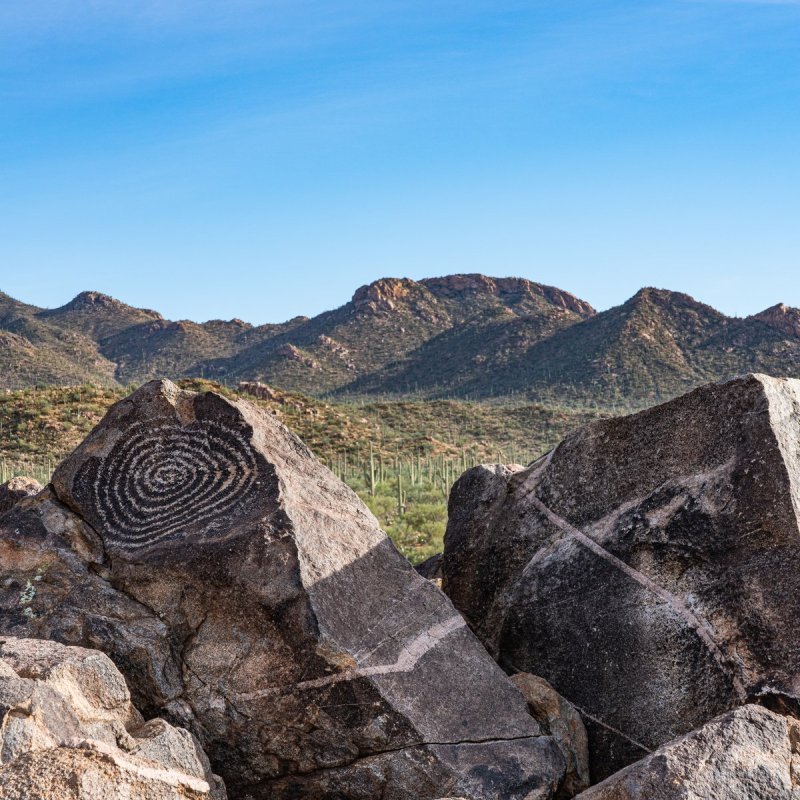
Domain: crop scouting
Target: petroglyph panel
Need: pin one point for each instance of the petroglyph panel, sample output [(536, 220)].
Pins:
[(162, 479)]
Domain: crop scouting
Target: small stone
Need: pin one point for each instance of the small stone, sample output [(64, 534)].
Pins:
[(11, 492), (560, 720)]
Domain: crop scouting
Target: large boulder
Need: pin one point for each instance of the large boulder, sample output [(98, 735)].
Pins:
[(647, 567), (747, 754), (248, 595), (68, 730)]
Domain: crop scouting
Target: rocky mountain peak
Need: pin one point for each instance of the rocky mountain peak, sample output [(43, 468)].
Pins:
[(781, 317), (654, 296), (453, 285), (665, 299), (385, 294), (506, 289), (94, 299), (90, 301)]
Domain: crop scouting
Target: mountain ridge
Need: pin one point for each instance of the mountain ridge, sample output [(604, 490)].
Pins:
[(462, 335)]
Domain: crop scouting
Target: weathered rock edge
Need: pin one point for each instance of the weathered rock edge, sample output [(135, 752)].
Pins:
[(276, 621), (646, 567)]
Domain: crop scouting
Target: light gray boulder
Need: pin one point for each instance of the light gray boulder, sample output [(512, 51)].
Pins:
[(747, 754), (68, 730)]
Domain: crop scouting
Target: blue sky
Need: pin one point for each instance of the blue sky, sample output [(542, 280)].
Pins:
[(263, 159)]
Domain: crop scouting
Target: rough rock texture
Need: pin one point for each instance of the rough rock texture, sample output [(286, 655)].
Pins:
[(647, 567), (260, 390), (11, 492), (558, 718), (747, 754), (68, 730), (248, 595)]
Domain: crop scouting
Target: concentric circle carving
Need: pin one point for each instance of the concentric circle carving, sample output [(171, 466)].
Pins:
[(161, 479)]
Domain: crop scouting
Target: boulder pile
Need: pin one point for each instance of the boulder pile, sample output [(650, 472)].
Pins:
[(623, 612)]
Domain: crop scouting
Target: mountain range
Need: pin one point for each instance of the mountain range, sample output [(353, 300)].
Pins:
[(468, 336)]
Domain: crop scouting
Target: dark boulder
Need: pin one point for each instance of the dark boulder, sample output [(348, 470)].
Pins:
[(647, 567)]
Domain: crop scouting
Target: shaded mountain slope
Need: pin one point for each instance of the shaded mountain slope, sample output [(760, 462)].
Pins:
[(650, 348), (656, 346), (468, 359)]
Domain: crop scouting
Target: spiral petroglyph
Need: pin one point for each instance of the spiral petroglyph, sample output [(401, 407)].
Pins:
[(161, 479)]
